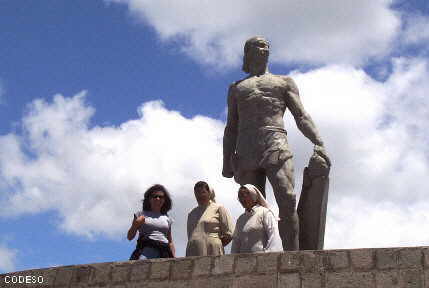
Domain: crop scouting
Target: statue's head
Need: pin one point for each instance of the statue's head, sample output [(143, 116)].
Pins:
[(256, 52)]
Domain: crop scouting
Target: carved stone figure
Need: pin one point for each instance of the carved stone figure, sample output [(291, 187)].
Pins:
[(313, 203), (255, 145)]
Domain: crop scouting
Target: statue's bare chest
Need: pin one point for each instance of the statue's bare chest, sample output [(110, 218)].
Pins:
[(265, 92)]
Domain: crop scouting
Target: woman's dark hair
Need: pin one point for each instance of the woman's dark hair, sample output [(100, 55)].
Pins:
[(167, 199), (202, 184)]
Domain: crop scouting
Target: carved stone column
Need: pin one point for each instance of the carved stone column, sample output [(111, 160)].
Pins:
[(313, 203)]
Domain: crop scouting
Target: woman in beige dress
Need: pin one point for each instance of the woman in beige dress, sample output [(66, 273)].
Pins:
[(210, 226)]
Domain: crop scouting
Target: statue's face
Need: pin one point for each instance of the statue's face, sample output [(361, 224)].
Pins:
[(258, 52)]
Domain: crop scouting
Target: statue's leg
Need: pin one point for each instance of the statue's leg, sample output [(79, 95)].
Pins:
[(281, 178)]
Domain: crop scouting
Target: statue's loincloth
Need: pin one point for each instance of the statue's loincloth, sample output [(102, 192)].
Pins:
[(264, 148)]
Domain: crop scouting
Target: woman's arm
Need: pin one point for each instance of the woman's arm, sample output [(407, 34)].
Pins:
[(236, 243), (171, 244), (235, 247), (272, 231), (135, 225), (226, 226)]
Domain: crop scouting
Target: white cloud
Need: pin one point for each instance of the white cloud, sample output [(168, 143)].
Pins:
[(302, 31), (94, 176), (360, 223), (7, 259), (378, 145)]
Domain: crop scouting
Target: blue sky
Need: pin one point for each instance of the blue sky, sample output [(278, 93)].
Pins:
[(101, 99)]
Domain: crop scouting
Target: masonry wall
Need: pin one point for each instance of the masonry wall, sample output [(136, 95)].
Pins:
[(358, 268)]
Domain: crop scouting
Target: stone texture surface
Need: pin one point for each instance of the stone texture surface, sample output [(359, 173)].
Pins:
[(311, 262), (223, 264), (387, 279), (182, 269), (350, 280), (410, 258), (181, 283), (289, 280), (256, 281), (100, 273), (426, 278), (387, 258), (160, 270), (267, 263), (81, 275), (120, 273), (412, 278), (140, 271), (202, 266), (152, 284), (290, 261), (313, 203), (64, 277), (426, 257), (311, 280), (48, 275), (338, 260), (214, 282), (246, 264), (363, 268), (362, 259)]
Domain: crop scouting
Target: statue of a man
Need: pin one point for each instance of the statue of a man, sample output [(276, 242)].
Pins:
[(255, 145)]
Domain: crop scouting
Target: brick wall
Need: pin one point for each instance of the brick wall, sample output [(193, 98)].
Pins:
[(358, 268)]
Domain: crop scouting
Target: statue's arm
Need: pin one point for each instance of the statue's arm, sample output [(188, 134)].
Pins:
[(230, 134), (303, 120)]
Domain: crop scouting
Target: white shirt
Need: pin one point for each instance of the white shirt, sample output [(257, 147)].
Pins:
[(156, 226), (256, 231)]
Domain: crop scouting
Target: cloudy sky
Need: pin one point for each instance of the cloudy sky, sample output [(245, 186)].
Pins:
[(101, 99)]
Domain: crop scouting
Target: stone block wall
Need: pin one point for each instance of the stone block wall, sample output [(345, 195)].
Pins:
[(357, 268)]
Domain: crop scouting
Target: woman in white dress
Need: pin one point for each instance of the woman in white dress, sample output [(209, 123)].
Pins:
[(210, 226), (256, 229)]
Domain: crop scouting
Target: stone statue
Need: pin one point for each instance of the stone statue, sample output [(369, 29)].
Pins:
[(255, 144)]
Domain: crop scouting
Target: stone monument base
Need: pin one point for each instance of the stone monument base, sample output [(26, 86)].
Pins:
[(357, 268)]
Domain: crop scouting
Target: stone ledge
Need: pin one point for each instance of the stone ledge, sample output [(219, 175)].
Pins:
[(372, 268)]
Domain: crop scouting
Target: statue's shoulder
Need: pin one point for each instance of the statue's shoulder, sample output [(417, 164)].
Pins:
[(289, 83), (234, 84), (287, 79)]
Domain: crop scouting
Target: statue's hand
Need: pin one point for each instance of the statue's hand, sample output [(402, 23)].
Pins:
[(320, 150)]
